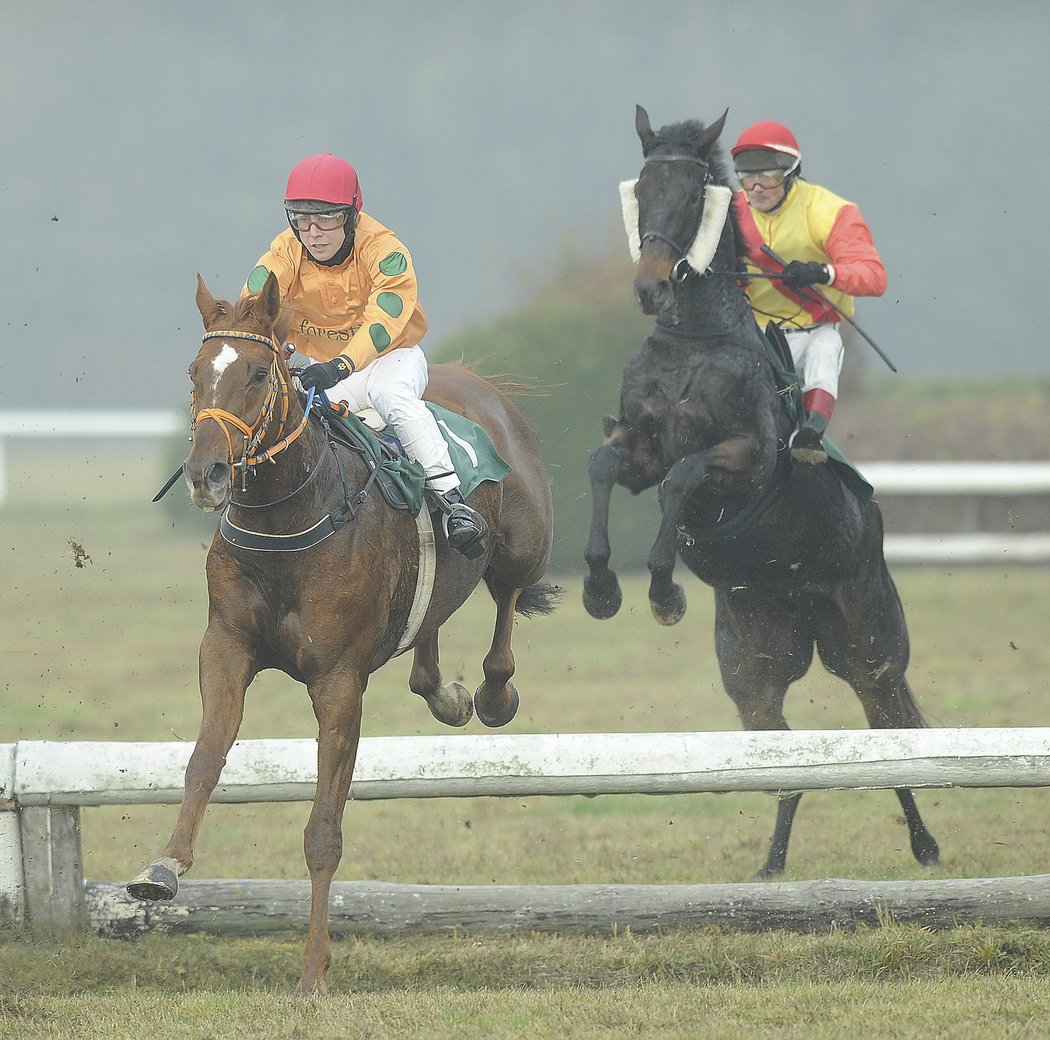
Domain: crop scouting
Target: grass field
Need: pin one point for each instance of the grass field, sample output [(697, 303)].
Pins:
[(104, 605)]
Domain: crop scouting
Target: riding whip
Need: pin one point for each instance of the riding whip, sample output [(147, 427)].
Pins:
[(817, 294)]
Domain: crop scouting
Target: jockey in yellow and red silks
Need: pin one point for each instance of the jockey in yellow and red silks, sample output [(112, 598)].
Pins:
[(351, 286), (824, 242)]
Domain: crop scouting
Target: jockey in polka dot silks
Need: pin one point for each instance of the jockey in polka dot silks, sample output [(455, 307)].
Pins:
[(351, 286)]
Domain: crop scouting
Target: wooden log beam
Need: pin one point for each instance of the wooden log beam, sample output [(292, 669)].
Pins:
[(241, 908)]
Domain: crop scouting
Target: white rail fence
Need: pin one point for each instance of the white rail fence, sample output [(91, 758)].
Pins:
[(978, 479), (44, 785)]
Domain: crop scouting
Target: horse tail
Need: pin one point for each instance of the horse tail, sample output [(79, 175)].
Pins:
[(910, 712), (539, 598)]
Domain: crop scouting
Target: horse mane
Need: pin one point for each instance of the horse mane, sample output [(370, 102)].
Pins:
[(243, 311)]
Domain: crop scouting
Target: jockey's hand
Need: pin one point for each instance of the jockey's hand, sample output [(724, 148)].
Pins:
[(326, 374), (800, 273)]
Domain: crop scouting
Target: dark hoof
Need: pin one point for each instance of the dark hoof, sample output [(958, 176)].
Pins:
[(670, 609), (492, 719), (602, 597), (153, 883), (926, 850), (767, 873)]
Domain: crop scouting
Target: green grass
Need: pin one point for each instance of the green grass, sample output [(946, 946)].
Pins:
[(107, 650)]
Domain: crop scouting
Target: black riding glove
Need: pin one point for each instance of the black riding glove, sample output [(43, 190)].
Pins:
[(800, 273), (326, 374)]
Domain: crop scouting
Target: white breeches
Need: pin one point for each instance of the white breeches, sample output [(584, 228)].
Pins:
[(817, 354), (393, 385)]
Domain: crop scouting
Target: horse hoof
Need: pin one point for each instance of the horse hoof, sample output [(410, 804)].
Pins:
[(451, 705), (767, 873), (671, 610), (492, 720), (153, 883), (602, 597), (926, 850)]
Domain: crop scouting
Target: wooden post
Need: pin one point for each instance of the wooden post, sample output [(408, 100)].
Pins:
[(53, 869)]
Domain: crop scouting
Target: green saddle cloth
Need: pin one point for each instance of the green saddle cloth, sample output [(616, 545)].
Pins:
[(791, 394), (473, 454)]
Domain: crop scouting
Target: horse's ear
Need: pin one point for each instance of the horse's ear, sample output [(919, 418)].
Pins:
[(269, 303), (209, 307), (641, 125), (714, 131)]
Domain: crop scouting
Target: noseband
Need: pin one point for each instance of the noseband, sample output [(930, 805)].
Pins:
[(254, 434), (657, 236)]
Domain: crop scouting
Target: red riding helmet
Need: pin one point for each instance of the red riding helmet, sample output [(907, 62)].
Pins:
[(768, 136), (323, 182)]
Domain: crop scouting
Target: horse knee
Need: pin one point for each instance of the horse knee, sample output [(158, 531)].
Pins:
[(682, 479), (323, 846)]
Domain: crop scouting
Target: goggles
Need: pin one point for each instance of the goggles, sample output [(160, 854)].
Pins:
[(325, 221), (764, 178)]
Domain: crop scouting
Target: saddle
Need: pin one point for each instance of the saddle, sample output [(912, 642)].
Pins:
[(402, 481)]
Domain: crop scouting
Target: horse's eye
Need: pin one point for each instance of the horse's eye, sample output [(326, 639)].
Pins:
[(258, 377)]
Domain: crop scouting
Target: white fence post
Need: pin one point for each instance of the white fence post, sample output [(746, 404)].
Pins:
[(12, 882)]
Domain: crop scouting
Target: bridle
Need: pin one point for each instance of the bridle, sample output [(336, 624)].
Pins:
[(658, 236), (253, 435)]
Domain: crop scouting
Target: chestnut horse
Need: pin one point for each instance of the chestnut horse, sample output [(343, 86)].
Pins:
[(794, 556), (330, 614)]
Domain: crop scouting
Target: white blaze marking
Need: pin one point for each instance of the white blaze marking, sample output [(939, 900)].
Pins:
[(226, 357)]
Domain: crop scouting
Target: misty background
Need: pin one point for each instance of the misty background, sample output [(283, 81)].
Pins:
[(144, 142)]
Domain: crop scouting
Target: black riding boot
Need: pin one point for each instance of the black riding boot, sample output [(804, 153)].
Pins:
[(464, 527), (806, 443)]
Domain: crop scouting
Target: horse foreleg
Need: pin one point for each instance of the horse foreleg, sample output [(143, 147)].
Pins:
[(496, 699), (337, 705), (225, 671), (601, 588), (449, 703), (666, 598)]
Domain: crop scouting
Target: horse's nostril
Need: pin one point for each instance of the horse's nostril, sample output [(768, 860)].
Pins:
[(654, 296), (217, 473)]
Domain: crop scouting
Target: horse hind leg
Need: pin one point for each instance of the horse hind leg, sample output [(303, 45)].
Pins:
[(496, 699), (450, 702), (762, 648), (874, 664)]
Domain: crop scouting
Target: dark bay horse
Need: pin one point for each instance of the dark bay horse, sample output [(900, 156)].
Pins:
[(794, 557), (330, 614)]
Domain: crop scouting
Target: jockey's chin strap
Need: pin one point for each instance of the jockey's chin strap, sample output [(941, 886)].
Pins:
[(254, 434)]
